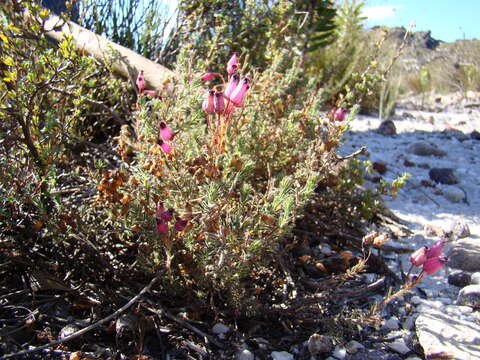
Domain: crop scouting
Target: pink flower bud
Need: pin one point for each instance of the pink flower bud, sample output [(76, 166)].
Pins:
[(232, 65), (232, 84), (151, 93), (167, 215), (339, 114), (162, 227), (436, 249), (238, 94), (208, 76), (166, 147), (165, 132), (219, 102), (208, 102), (431, 266), (180, 225), (419, 256), (140, 82)]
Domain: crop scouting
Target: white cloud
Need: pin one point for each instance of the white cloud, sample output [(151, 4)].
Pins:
[(380, 12)]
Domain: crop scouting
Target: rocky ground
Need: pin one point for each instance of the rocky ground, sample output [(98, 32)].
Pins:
[(438, 143), (436, 139)]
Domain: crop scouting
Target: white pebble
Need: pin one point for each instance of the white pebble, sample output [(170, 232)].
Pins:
[(244, 354), (281, 355), (220, 328), (339, 352), (399, 346), (392, 323), (353, 347)]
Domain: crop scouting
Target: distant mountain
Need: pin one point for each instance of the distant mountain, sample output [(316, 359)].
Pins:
[(450, 65)]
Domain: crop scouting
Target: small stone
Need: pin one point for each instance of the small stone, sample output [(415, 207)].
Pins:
[(281, 355), (459, 229), (445, 300), (408, 163), (432, 230), (426, 183), (443, 176), (353, 347), (319, 344), (413, 358), (380, 167), (407, 115), (458, 310), (455, 133), (409, 322), (423, 166), (387, 128), (325, 249), (454, 194), (371, 354), (369, 277), (244, 354), (465, 255), (339, 353), (425, 149), (392, 323), (67, 331), (220, 328), (399, 346), (475, 279), (459, 278), (469, 296), (475, 135), (416, 300)]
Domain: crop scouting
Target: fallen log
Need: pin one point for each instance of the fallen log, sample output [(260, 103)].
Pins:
[(125, 62)]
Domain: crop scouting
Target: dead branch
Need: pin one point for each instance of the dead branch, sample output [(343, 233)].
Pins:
[(88, 328)]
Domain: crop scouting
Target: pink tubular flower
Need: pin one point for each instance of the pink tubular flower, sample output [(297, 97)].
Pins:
[(208, 102), (238, 94), (166, 133), (167, 215), (419, 256), (166, 147), (431, 266), (219, 102), (162, 227), (436, 249), (180, 225), (140, 82), (232, 65), (232, 84), (208, 76), (339, 114)]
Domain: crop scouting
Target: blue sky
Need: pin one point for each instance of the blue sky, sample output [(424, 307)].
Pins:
[(449, 20)]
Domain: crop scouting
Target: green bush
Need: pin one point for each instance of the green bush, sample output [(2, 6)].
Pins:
[(237, 183)]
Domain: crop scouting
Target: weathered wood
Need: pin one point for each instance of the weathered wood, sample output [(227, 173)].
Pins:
[(125, 62)]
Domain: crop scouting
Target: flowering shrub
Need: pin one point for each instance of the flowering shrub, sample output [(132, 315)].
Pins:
[(236, 166)]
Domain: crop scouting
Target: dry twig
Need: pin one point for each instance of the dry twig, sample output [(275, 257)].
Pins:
[(88, 328)]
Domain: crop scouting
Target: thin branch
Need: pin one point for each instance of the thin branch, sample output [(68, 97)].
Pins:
[(360, 151), (114, 114), (88, 328), (163, 312)]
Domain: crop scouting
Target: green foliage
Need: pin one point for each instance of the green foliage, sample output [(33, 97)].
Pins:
[(48, 93), (221, 28), (240, 181)]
